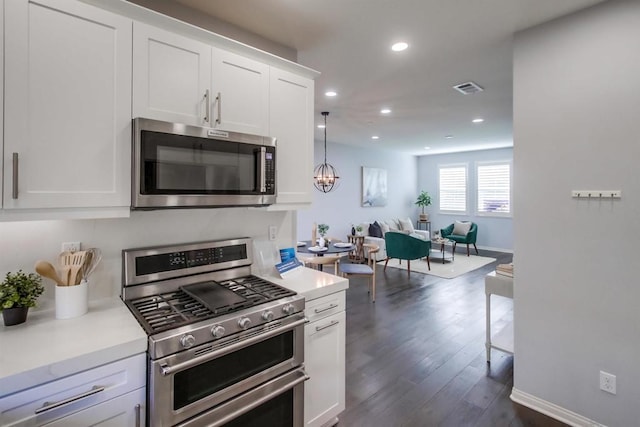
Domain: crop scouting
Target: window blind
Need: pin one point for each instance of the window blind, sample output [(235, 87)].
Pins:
[(453, 188), (494, 188)]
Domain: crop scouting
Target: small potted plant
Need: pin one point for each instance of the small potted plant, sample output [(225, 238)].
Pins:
[(359, 230), (322, 230), (18, 292), (424, 200)]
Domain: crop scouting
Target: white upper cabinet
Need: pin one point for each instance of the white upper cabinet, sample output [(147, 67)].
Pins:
[(171, 77), (291, 123), (240, 99), (67, 125)]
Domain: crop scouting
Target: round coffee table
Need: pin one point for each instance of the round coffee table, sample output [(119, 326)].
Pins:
[(441, 253)]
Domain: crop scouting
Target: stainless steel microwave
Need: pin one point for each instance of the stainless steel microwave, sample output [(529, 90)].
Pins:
[(182, 166)]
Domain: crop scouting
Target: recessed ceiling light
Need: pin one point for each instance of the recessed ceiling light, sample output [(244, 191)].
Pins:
[(385, 111), (375, 137), (427, 148), (448, 136), (331, 93), (477, 120), (399, 47), (321, 126)]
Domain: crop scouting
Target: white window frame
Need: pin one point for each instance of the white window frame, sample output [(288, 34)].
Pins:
[(466, 184), (478, 165)]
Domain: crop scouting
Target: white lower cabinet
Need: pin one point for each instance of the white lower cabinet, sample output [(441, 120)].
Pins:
[(125, 410), (109, 395), (324, 392)]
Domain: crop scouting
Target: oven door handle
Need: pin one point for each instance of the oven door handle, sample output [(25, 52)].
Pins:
[(168, 370)]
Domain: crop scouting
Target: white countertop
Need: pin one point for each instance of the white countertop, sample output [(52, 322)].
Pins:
[(45, 348), (310, 283)]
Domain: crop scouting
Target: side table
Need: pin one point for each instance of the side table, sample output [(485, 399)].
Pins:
[(427, 226), (357, 254), (497, 284)]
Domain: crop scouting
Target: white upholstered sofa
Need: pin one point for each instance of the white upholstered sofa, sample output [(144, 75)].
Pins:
[(402, 225)]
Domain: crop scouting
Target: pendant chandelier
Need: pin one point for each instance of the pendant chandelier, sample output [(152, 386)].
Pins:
[(325, 176)]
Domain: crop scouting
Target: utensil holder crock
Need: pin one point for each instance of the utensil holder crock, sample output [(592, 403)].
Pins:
[(72, 301)]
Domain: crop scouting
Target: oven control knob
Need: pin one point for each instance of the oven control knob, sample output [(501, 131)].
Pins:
[(267, 315), (244, 323), (217, 331), (187, 341), (288, 309)]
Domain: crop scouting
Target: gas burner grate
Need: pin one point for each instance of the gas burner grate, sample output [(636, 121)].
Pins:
[(256, 290), (162, 312), (167, 311)]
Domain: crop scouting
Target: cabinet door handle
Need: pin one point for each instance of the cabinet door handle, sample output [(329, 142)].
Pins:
[(14, 191), (320, 310), (333, 323), (137, 409), (47, 406), (219, 99), (206, 106)]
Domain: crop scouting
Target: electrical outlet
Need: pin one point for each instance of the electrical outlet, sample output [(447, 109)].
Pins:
[(273, 232), (607, 382), (71, 246)]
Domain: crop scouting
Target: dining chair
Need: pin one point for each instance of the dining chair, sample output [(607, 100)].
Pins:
[(318, 262), (367, 270)]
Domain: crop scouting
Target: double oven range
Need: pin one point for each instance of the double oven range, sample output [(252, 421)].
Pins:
[(225, 347)]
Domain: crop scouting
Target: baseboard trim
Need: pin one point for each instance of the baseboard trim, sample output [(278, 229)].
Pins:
[(552, 410), (487, 248)]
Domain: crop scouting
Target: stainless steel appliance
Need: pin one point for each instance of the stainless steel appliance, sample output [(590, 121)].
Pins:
[(225, 347), (181, 166)]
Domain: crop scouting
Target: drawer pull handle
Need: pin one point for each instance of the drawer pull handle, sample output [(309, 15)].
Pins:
[(333, 323), (47, 406), (206, 106), (219, 99), (320, 310)]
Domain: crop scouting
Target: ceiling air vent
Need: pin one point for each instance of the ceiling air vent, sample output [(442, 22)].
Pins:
[(468, 88)]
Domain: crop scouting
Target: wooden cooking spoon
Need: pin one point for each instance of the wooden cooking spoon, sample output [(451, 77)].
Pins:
[(45, 269)]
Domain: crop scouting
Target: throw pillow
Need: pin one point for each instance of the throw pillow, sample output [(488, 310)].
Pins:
[(375, 230), (385, 228), (418, 236), (406, 224), (461, 228), (393, 225)]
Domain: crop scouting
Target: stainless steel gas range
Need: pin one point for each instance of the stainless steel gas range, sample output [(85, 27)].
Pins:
[(225, 347)]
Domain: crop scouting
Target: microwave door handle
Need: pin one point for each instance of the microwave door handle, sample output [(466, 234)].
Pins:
[(262, 180)]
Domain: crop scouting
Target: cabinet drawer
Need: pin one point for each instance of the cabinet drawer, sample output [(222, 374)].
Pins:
[(49, 402), (325, 306)]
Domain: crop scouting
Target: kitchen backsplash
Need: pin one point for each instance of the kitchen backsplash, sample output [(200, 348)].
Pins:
[(23, 243)]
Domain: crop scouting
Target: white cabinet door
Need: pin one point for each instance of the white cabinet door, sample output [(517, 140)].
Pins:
[(240, 93), (67, 134), (291, 123), (127, 410), (324, 360), (171, 77)]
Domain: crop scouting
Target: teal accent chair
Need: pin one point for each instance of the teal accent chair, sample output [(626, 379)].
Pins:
[(404, 246), (469, 239)]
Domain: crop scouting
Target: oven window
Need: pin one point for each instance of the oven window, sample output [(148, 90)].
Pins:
[(207, 378), (276, 412)]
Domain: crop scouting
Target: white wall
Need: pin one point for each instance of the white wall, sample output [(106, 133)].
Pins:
[(23, 243), (576, 111), (342, 207), (493, 232)]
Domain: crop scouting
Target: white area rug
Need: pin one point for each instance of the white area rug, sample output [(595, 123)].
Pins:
[(460, 265)]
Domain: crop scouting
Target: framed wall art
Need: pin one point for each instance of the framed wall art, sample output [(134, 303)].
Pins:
[(374, 187)]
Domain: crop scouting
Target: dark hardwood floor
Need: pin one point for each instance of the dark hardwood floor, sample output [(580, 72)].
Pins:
[(416, 357)]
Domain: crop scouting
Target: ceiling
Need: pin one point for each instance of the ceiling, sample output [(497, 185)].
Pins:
[(450, 42)]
